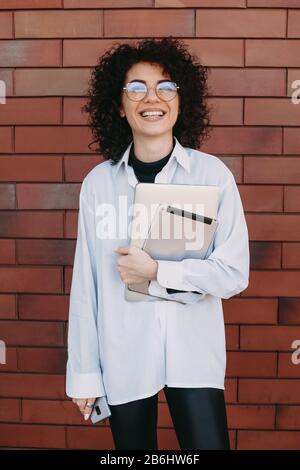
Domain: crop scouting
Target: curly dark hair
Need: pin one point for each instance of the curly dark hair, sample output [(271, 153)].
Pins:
[(111, 132)]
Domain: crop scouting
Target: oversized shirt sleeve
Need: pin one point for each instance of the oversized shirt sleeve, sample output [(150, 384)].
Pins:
[(83, 374), (225, 272)]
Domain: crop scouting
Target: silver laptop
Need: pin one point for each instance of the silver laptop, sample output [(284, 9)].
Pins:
[(200, 199)]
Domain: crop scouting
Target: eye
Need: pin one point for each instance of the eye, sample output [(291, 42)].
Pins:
[(136, 87), (167, 86)]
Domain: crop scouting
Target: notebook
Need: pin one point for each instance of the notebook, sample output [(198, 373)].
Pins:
[(176, 234), (200, 199)]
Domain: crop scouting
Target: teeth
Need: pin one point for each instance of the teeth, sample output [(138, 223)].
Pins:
[(152, 113)]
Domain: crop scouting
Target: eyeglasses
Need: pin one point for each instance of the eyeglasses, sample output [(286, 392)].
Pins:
[(137, 91)]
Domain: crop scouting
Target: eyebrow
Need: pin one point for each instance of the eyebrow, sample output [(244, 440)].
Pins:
[(143, 81)]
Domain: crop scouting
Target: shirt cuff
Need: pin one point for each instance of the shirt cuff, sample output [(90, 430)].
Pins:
[(157, 290), (171, 274), (81, 385)]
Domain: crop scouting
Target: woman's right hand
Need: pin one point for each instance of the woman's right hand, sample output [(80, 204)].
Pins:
[(81, 403)]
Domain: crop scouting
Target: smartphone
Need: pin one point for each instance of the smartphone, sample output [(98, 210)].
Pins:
[(100, 410)]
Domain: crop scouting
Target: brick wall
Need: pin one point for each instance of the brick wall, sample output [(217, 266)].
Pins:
[(47, 49)]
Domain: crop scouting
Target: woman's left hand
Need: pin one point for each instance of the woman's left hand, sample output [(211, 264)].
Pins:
[(135, 265)]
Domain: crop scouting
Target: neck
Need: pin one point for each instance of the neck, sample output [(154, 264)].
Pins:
[(151, 149)]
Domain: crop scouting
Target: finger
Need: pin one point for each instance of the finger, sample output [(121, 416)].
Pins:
[(88, 409), (122, 250)]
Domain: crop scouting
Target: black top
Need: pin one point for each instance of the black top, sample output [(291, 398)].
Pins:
[(145, 173)]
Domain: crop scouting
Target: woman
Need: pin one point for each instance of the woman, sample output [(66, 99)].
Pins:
[(148, 115)]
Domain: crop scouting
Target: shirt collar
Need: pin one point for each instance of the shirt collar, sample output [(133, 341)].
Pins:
[(179, 152)]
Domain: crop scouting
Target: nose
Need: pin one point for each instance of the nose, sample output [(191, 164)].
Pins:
[(152, 96)]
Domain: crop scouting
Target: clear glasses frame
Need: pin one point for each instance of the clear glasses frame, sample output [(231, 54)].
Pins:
[(148, 89)]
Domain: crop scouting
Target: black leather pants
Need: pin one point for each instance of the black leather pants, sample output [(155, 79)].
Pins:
[(198, 414)]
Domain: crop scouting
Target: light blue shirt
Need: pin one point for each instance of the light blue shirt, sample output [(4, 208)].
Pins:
[(131, 350)]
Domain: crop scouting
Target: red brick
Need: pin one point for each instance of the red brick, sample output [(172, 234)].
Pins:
[(247, 82), (284, 170), (47, 196), (30, 333), (293, 75), (235, 164), (7, 306), (31, 168), (293, 23), (265, 255), (291, 256), (147, 22), (7, 252), (292, 198), (57, 252), (251, 364), (25, 435), (231, 390), (10, 409), (226, 111), (273, 3), (72, 111), (53, 139), (272, 52), (289, 311), (262, 198), (273, 227), (11, 364), (71, 224), (167, 439), (255, 311), (288, 417), (40, 82), (273, 284), (43, 307), (268, 440), (67, 279), (254, 140), (6, 76), (268, 338), (269, 391), (272, 112), (47, 24), (6, 25), (30, 53), (78, 166), (89, 437), (212, 52), (200, 3), (32, 385), (50, 360), (21, 279), (6, 139), (240, 23), (107, 3), (23, 4), (35, 224), (85, 52), (53, 412), (218, 52), (31, 111), (286, 368), (232, 337), (7, 196), (291, 138), (250, 416)]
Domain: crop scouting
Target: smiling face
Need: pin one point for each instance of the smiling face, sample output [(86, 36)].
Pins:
[(147, 126)]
